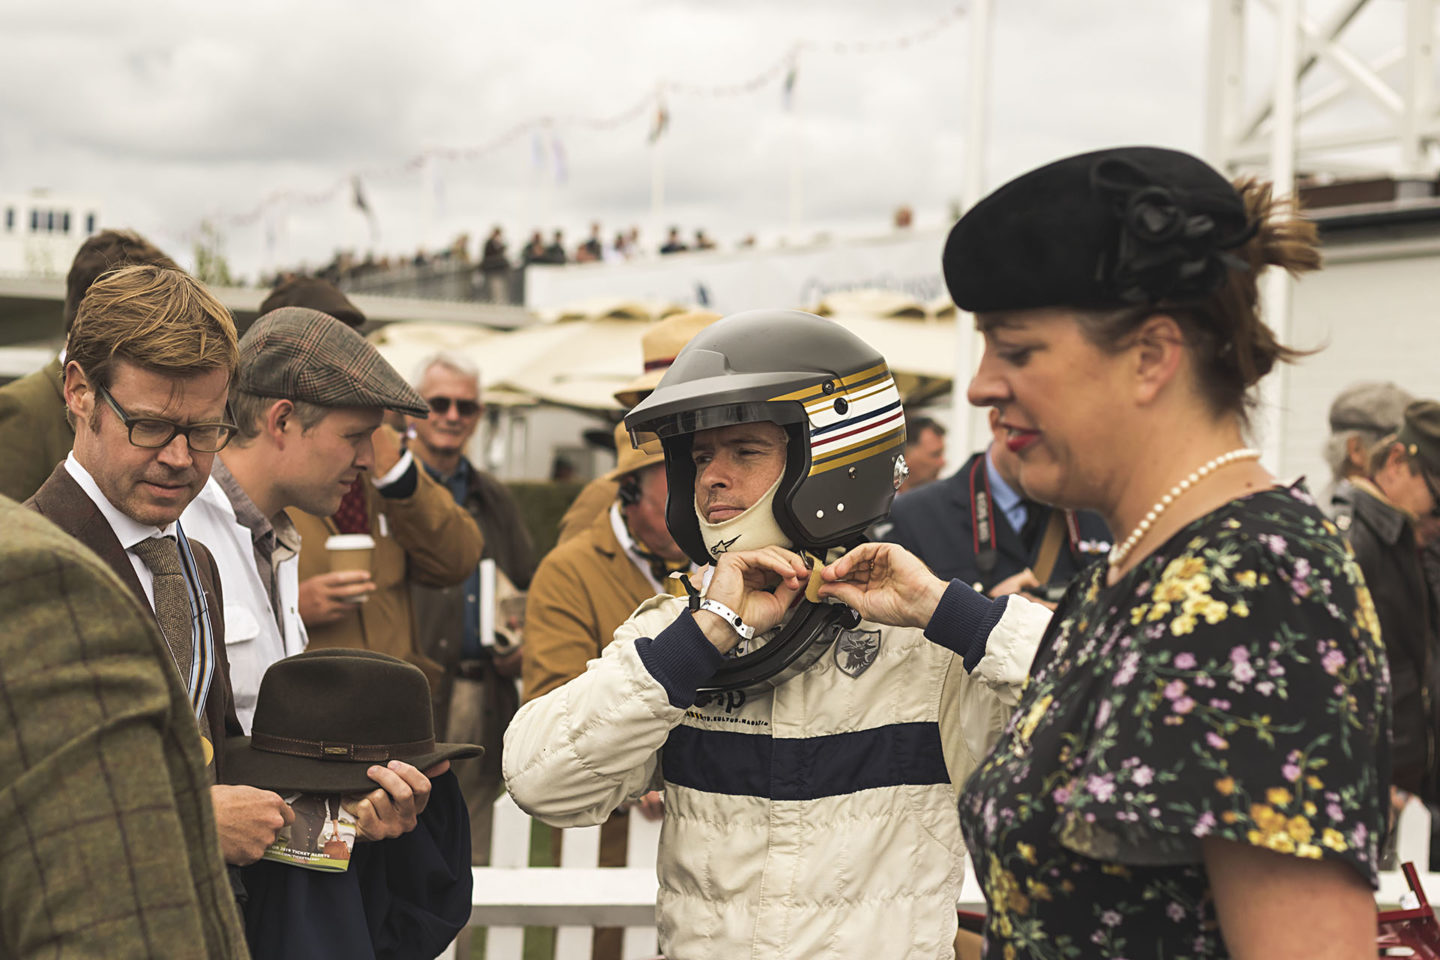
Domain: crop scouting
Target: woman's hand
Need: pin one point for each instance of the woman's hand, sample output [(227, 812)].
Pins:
[(884, 583), (743, 581)]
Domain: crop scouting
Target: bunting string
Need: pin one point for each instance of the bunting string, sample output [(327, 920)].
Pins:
[(654, 103)]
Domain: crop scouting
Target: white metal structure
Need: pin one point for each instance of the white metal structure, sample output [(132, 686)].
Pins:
[(1364, 72), (1353, 82)]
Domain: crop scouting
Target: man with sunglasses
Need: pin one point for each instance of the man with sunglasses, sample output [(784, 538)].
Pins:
[(147, 372), (1396, 517), (477, 696)]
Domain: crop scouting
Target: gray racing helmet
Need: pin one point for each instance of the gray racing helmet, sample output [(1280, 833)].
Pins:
[(830, 390)]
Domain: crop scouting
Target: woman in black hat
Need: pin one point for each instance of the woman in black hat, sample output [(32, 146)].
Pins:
[(1198, 765)]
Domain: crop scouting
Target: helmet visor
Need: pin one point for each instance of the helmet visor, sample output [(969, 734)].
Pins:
[(648, 433)]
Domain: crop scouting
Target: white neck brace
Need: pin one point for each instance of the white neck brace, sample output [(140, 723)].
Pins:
[(751, 530)]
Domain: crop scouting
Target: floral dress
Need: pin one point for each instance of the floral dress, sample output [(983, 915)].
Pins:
[(1232, 685)]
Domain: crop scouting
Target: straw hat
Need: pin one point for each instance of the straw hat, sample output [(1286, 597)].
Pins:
[(659, 344)]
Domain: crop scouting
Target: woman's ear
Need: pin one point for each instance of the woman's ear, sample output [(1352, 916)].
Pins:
[(1159, 346)]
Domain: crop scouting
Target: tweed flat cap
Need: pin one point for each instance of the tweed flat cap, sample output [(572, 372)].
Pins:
[(1378, 407), (300, 354), (1113, 228), (1421, 434)]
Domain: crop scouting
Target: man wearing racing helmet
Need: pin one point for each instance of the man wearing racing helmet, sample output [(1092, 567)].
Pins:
[(810, 760)]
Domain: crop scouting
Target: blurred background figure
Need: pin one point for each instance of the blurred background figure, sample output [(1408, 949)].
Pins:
[(34, 432), (1361, 416), (495, 268), (477, 696), (924, 452)]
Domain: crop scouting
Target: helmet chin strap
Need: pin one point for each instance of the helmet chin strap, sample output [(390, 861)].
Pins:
[(809, 629), (751, 530)]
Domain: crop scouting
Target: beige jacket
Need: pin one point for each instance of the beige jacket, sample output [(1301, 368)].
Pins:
[(817, 820)]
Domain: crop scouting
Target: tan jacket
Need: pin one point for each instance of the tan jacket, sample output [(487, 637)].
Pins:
[(33, 430), (592, 501), (584, 589), (425, 538)]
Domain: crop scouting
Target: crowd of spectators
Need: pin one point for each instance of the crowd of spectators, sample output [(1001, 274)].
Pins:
[(496, 269)]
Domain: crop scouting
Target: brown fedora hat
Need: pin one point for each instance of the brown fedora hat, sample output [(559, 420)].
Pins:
[(323, 717), (659, 344), (628, 459)]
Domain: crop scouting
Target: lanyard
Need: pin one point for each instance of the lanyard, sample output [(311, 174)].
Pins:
[(983, 517), (982, 512), (202, 660)]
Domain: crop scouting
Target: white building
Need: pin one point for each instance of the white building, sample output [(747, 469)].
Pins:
[(41, 230)]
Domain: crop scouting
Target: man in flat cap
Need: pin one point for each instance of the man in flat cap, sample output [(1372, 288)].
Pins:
[(1361, 416), (308, 395), (150, 362), (1396, 517), (34, 431), (422, 536)]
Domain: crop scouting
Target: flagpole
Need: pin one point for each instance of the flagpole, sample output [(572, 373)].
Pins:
[(967, 347), (796, 160), (657, 169)]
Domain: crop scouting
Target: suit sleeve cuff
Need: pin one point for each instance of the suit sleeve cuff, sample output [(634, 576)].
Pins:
[(402, 479), (963, 620), (680, 658)]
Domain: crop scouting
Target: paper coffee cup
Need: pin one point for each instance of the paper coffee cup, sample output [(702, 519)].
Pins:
[(350, 551)]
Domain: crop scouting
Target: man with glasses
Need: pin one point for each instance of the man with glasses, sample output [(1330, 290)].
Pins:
[(477, 697), (147, 373), (1396, 517)]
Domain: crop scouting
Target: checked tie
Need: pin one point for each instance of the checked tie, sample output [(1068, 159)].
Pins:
[(172, 598)]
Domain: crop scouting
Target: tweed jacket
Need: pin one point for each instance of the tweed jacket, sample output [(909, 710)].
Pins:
[(33, 430), (111, 845), (64, 503), (425, 538), (584, 589)]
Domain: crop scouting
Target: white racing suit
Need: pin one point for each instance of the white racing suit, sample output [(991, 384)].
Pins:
[(817, 820)]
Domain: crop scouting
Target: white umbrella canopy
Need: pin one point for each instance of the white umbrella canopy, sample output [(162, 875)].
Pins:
[(406, 345), (871, 303)]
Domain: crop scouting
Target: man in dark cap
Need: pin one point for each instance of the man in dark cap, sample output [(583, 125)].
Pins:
[(34, 432), (1361, 416), (1396, 516), (316, 294)]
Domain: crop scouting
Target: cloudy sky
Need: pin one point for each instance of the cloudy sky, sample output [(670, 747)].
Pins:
[(174, 112)]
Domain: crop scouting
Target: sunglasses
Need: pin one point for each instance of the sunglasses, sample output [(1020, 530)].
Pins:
[(465, 408), (1434, 497)]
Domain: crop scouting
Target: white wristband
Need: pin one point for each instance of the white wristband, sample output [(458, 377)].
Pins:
[(729, 616)]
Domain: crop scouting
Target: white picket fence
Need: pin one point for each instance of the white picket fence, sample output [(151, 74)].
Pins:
[(578, 895)]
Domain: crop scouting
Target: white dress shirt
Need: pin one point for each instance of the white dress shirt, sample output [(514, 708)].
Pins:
[(129, 532)]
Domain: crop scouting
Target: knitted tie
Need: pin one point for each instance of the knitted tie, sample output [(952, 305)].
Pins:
[(353, 515), (172, 597)]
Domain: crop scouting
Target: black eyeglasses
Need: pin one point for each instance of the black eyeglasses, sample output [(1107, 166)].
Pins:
[(466, 408), (153, 434)]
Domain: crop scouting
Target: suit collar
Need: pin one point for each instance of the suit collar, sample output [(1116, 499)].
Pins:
[(65, 504)]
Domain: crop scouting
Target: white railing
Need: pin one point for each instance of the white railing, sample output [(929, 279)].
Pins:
[(578, 895)]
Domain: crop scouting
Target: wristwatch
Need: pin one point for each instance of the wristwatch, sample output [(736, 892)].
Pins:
[(729, 616)]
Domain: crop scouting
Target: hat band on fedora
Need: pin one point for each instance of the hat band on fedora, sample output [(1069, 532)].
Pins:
[(660, 364), (337, 750)]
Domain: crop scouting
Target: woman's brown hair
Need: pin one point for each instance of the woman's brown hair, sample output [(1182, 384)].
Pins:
[(1234, 347)]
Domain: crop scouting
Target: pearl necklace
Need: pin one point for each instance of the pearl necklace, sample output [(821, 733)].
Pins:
[(1120, 551)]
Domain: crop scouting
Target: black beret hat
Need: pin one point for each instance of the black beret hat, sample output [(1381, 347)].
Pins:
[(1128, 225)]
